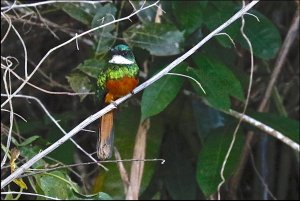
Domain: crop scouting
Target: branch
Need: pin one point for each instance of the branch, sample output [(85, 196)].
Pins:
[(111, 106), (14, 6), (137, 168), (266, 129), (122, 170)]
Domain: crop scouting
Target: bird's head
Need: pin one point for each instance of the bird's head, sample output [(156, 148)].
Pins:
[(121, 54)]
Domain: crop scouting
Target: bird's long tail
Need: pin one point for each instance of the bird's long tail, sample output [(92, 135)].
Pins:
[(106, 136)]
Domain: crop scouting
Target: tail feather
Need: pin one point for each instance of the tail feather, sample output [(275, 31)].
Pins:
[(106, 136)]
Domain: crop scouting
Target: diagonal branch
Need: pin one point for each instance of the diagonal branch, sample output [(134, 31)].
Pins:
[(265, 128), (111, 106)]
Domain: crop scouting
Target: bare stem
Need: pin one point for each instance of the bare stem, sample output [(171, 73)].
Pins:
[(137, 168)]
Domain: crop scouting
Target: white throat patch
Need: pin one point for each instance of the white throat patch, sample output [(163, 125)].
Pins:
[(118, 59)]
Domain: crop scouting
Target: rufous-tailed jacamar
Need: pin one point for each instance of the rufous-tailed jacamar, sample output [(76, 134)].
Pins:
[(119, 78)]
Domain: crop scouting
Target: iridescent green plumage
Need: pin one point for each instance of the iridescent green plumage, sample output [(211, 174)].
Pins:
[(115, 71)]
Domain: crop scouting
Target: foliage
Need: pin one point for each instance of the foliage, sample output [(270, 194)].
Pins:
[(189, 128)]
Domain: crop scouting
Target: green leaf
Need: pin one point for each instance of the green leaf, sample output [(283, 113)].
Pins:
[(217, 80), (30, 151), (79, 83), (179, 179), (105, 42), (92, 67), (76, 12), (189, 14), (211, 158), (216, 14), (104, 15), (288, 127), (28, 141), (206, 119), (160, 94), (56, 184), (158, 39), (264, 36), (103, 36)]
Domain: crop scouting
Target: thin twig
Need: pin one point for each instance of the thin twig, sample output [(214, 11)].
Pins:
[(271, 131), (245, 106), (40, 171), (111, 106), (57, 124), (182, 75), (11, 115), (8, 30), (44, 90), (5, 110), (25, 193), (14, 6), (48, 23), (23, 45)]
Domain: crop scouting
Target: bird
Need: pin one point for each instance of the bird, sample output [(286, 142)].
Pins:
[(117, 79)]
